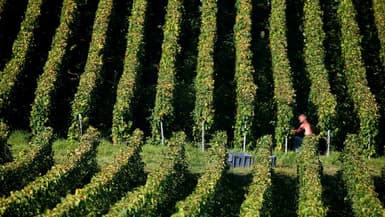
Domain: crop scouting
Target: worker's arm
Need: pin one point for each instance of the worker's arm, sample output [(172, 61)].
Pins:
[(300, 129)]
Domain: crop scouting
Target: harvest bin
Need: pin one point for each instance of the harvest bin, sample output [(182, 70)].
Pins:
[(241, 159)]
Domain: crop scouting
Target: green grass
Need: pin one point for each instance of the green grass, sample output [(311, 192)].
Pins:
[(198, 161), (19, 142), (61, 148), (286, 163), (152, 155), (106, 152), (375, 165), (331, 163), (286, 159)]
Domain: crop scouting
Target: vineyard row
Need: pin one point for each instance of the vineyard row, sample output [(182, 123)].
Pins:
[(321, 100)]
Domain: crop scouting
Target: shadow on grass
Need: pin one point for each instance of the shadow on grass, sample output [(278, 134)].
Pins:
[(334, 193), (284, 195), (379, 184), (229, 201)]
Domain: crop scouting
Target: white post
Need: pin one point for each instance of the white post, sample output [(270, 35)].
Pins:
[(286, 144), (161, 132), (244, 136), (369, 147), (80, 125), (203, 136), (244, 143), (328, 143)]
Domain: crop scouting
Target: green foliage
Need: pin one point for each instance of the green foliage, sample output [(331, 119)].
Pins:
[(309, 180), (164, 109), (22, 46), (45, 191), (4, 131), (284, 95), (202, 200), (14, 175), (358, 181), (91, 78), (204, 81), (246, 90), (258, 201), (107, 186), (123, 109), (2, 6), (288, 159), (47, 82), (320, 95), (5, 154), (379, 17), (161, 188), (355, 73)]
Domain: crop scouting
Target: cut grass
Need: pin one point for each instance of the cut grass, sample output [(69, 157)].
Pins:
[(375, 165), (197, 160), (106, 152), (61, 148), (286, 164), (19, 142), (152, 155)]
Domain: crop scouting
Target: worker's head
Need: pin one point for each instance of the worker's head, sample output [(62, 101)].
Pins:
[(302, 118)]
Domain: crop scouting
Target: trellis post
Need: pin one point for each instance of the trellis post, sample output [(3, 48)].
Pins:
[(162, 132)]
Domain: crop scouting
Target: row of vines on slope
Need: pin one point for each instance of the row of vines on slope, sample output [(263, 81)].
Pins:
[(379, 16), (161, 188), (16, 174), (123, 108), (309, 184), (204, 81), (5, 154), (46, 191), (283, 84), (246, 89), (202, 200), (90, 80), (23, 45), (259, 197), (47, 83), (163, 112), (358, 181), (320, 94), (108, 185), (355, 73)]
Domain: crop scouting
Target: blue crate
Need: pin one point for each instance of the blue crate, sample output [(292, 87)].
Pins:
[(241, 160), (244, 160)]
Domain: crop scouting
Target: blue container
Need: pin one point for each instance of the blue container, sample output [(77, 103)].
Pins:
[(241, 160)]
